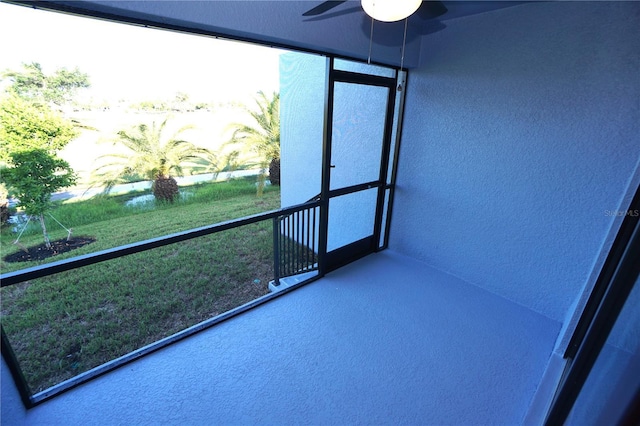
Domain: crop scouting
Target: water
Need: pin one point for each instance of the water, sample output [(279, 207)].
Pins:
[(148, 200), (140, 200)]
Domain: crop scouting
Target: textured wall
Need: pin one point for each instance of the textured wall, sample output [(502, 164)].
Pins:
[(302, 92), (522, 128)]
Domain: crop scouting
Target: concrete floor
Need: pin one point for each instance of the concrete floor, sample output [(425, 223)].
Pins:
[(385, 340)]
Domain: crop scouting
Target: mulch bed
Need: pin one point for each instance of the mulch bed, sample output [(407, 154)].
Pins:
[(41, 252)]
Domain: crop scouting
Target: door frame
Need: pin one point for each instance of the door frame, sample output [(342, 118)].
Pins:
[(331, 260)]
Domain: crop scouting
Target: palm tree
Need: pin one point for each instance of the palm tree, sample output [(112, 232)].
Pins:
[(151, 157), (263, 135)]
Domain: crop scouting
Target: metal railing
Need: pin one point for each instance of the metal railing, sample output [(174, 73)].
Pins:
[(295, 241)]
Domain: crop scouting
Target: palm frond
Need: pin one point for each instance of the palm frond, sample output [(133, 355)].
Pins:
[(149, 154), (263, 136)]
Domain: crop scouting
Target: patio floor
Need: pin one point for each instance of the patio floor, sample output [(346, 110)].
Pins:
[(383, 340)]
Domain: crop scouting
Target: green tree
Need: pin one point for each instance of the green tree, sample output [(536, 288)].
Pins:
[(34, 175), (262, 135), (25, 125), (31, 83), (26, 118), (152, 157), (27, 83), (31, 132)]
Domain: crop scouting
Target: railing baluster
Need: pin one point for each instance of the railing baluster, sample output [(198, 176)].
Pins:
[(280, 243), (313, 237), (291, 260), (292, 243), (312, 224), (295, 241), (305, 238), (298, 244), (297, 248), (283, 246), (286, 242), (283, 233), (309, 263), (276, 250)]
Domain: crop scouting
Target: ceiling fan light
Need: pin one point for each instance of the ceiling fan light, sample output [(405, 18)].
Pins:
[(390, 10)]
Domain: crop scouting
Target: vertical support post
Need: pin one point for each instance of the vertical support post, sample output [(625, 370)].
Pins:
[(402, 75), (326, 169), (384, 163)]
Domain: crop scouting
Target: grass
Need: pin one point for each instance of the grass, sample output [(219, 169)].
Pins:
[(113, 223), (62, 325)]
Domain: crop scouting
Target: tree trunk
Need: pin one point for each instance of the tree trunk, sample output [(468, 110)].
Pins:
[(274, 171), (47, 242), (262, 177), (165, 188), (4, 212)]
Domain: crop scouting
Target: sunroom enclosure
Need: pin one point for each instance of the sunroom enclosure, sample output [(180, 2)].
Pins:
[(518, 170), (346, 219)]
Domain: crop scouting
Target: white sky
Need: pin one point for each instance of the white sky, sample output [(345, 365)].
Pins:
[(134, 63)]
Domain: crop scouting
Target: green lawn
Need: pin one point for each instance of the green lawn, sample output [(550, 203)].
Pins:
[(62, 325)]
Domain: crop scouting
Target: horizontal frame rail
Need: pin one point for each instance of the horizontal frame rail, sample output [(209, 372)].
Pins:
[(354, 188), (358, 78), (40, 271)]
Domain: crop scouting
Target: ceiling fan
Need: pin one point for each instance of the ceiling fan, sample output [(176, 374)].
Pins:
[(421, 15), (387, 11)]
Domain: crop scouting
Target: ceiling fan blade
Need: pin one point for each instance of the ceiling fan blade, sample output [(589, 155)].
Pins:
[(431, 9), (343, 11), (323, 7)]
